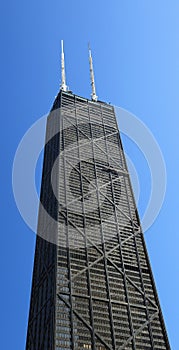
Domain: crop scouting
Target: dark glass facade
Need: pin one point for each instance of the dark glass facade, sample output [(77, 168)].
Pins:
[(92, 283)]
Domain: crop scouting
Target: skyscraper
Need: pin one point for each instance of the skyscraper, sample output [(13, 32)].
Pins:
[(92, 283)]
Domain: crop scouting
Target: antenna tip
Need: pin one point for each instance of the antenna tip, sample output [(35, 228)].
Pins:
[(89, 49)]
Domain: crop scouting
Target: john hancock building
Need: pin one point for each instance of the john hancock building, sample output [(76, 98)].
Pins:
[(92, 282)]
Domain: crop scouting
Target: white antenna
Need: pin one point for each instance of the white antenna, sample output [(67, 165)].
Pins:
[(63, 85), (94, 97)]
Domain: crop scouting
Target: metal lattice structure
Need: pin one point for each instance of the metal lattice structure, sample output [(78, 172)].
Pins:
[(92, 282)]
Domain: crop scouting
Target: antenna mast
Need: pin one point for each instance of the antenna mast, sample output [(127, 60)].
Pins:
[(94, 97), (63, 85)]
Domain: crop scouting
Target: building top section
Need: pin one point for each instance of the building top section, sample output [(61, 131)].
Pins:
[(72, 97)]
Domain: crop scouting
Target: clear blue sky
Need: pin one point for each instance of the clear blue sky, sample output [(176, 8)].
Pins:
[(136, 57)]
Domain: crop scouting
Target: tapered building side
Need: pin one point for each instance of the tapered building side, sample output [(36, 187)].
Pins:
[(92, 283)]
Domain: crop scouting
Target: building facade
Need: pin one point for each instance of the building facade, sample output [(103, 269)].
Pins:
[(92, 282)]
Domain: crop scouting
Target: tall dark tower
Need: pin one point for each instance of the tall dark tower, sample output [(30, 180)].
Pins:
[(92, 283)]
